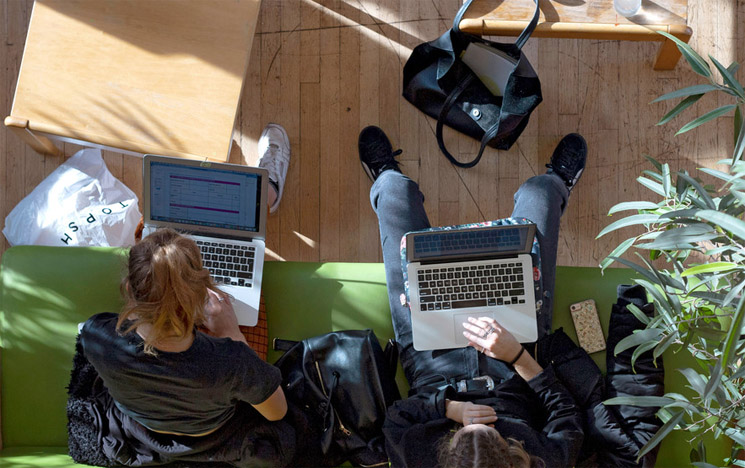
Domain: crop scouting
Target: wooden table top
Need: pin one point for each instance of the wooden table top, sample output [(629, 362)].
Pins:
[(146, 76), (579, 11)]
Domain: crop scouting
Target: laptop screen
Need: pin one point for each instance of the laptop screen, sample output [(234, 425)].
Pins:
[(202, 196), (470, 243)]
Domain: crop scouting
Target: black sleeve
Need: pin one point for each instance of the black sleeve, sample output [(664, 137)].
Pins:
[(258, 379), (562, 433), (624, 429), (413, 428)]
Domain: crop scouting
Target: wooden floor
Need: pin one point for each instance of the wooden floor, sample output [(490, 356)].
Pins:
[(325, 69)]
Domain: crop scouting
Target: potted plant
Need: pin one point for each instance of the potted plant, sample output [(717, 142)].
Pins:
[(691, 260)]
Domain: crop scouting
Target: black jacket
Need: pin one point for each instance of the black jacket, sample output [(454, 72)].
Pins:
[(552, 411)]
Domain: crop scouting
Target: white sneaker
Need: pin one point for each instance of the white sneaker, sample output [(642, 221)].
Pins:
[(274, 148)]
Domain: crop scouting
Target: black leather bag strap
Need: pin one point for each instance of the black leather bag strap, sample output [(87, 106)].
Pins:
[(521, 39), (446, 106)]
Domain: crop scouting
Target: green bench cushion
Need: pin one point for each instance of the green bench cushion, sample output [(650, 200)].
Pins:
[(55, 288)]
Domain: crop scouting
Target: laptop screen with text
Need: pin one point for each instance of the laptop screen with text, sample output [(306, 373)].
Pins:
[(201, 196)]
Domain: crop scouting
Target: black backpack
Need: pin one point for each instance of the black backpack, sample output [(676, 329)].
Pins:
[(344, 382)]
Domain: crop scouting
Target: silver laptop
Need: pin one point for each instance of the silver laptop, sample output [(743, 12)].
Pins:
[(223, 208), (474, 272)]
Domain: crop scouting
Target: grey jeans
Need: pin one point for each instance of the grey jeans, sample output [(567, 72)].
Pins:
[(399, 204)]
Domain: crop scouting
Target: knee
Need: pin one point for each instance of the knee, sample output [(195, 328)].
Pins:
[(392, 187)]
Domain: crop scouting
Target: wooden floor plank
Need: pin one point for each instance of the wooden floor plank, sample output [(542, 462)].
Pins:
[(326, 69)]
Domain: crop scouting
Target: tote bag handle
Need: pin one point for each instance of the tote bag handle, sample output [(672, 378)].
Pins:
[(492, 131)]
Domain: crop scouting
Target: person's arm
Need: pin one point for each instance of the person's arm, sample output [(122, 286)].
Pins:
[(487, 336), (220, 319), (273, 408), (562, 434)]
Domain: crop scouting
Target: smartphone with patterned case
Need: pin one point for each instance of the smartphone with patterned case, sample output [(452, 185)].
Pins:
[(587, 325)]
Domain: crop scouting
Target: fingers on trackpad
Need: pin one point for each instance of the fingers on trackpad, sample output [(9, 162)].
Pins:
[(459, 320)]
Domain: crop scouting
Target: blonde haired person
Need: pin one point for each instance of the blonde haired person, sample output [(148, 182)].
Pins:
[(164, 375), (173, 392)]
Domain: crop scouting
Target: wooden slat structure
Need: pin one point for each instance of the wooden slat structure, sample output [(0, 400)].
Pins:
[(591, 19)]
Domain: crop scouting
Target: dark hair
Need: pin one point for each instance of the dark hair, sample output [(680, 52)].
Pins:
[(483, 447), (166, 287)]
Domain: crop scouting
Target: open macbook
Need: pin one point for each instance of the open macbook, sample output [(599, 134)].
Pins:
[(223, 208), (474, 272)]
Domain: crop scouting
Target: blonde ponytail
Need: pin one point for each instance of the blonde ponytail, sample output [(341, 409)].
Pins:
[(166, 287)]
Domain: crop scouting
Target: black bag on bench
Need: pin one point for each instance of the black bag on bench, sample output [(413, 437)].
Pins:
[(345, 382)]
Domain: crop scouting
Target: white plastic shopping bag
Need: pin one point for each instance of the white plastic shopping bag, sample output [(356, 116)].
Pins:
[(80, 203)]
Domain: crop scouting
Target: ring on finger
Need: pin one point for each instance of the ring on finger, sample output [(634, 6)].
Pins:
[(489, 331)]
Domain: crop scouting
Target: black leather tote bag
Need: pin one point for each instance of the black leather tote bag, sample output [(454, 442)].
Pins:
[(439, 84), (344, 381)]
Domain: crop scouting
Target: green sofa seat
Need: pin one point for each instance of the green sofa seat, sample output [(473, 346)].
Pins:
[(46, 291)]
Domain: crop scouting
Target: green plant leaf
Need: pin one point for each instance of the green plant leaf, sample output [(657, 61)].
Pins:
[(714, 381), (718, 174), (706, 117), (694, 378), (732, 294), (638, 269), (683, 237), (733, 336), (644, 401), (637, 338), (710, 268), (725, 221), (739, 136), (687, 213), (651, 185), (735, 434), (688, 91), (617, 252), (629, 221), (633, 205), (682, 105), (699, 189), (664, 344), (738, 374), (698, 64), (666, 180), (661, 434), (641, 349), (637, 312), (656, 294), (729, 80)]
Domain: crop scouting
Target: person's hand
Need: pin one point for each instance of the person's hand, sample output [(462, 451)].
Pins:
[(465, 412), (219, 317), (486, 335)]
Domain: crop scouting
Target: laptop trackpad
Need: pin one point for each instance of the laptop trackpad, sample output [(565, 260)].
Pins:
[(459, 320)]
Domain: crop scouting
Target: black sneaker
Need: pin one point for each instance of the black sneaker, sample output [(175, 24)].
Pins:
[(376, 152), (569, 158)]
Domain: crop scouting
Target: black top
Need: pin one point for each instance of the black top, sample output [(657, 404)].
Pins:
[(189, 392), (541, 413)]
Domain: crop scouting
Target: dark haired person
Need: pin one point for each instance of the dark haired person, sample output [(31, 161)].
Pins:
[(538, 411)]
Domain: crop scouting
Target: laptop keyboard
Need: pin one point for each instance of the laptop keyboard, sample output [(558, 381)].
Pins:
[(228, 263), (458, 287)]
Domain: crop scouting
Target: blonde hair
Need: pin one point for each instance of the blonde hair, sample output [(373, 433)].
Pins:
[(484, 447), (166, 287)]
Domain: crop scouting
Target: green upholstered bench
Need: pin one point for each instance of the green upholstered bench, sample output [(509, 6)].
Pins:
[(46, 291)]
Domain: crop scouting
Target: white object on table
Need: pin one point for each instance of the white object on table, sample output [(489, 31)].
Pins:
[(627, 7)]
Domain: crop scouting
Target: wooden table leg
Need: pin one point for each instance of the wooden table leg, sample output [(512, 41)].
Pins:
[(39, 143), (669, 54)]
